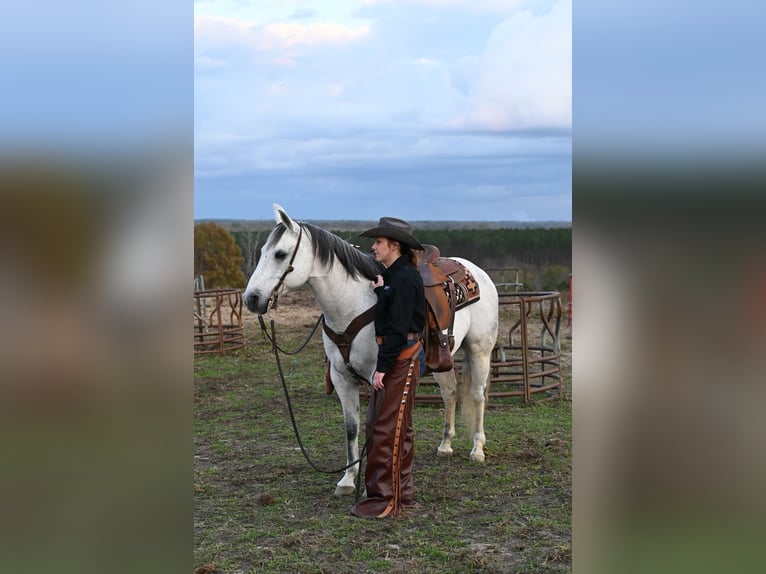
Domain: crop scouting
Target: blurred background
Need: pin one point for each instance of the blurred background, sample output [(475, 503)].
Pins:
[(96, 223), (669, 266)]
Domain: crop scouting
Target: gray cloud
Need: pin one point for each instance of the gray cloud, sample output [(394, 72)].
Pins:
[(413, 107)]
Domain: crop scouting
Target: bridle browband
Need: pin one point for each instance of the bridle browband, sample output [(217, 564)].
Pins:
[(274, 297)]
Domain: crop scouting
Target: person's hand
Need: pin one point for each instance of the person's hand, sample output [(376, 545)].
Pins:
[(377, 380), (378, 282)]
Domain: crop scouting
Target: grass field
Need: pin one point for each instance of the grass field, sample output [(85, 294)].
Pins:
[(260, 507)]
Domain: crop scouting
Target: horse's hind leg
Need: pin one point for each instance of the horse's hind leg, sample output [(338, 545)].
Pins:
[(478, 362), (448, 387)]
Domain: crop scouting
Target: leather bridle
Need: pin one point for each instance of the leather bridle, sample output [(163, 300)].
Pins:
[(273, 298)]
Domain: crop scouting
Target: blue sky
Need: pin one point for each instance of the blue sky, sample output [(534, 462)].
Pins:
[(353, 109)]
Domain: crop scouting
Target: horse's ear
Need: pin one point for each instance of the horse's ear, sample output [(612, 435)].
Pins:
[(280, 215)]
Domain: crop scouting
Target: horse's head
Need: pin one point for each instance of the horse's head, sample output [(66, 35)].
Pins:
[(284, 263)]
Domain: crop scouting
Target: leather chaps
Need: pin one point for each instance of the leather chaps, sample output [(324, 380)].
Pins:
[(388, 475)]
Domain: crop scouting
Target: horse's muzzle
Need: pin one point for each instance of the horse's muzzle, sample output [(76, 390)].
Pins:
[(256, 304)]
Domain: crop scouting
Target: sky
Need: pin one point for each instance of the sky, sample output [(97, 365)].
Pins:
[(355, 109)]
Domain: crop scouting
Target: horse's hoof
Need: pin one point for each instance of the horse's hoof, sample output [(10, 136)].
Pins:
[(444, 452), (476, 457), (344, 491)]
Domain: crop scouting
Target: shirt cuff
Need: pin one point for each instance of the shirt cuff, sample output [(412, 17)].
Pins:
[(383, 365)]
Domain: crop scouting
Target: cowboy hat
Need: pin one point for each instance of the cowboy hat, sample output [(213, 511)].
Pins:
[(396, 229)]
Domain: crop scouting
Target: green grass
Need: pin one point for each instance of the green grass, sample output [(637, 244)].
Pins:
[(259, 507)]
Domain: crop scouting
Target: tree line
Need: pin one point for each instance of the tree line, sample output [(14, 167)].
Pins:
[(543, 255)]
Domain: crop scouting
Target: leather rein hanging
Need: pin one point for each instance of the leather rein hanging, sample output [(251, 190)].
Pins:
[(355, 326), (367, 443), (341, 340)]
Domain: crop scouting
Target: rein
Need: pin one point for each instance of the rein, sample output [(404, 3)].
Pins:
[(275, 347), (271, 339)]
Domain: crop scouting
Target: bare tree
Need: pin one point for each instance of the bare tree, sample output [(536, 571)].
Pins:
[(249, 245)]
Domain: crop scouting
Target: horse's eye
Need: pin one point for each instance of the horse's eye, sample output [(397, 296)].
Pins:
[(279, 255)]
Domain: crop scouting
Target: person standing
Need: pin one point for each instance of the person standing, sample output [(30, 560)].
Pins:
[(400, 316)]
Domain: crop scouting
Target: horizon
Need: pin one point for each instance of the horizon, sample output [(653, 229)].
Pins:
[(238, 224)]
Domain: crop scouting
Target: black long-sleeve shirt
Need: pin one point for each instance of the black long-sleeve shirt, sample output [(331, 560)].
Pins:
[(401, 309)]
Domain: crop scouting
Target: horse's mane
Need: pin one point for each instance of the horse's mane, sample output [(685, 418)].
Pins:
[(328, 247)]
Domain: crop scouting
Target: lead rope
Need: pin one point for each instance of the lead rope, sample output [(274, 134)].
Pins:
[(367, 443), (274, 342)]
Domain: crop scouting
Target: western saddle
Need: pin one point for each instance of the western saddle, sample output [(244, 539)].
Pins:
[(448, 287)]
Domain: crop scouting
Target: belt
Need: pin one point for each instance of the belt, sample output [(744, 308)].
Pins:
[(410, 337)]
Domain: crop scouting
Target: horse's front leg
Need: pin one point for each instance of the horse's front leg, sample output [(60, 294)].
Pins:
[(448, 387), (348, 393)]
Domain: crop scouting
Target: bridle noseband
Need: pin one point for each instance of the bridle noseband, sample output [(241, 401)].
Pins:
[(273, 298)]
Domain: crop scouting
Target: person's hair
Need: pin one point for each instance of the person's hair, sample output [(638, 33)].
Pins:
[(405, 251), (409, 254)]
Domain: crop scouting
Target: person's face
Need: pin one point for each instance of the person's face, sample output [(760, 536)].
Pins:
[(385, 250)]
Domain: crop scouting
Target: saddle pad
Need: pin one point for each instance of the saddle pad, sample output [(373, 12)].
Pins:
[(466, 291), (438, 296)]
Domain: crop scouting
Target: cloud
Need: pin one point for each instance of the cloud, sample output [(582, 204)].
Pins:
[(206, 63), (474, 5), (316, 33), (213, 28), (216, 31), (429, 102), (438, 176), (524, 77)]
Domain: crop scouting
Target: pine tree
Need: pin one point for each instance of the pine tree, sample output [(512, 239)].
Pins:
[(217, 257)]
